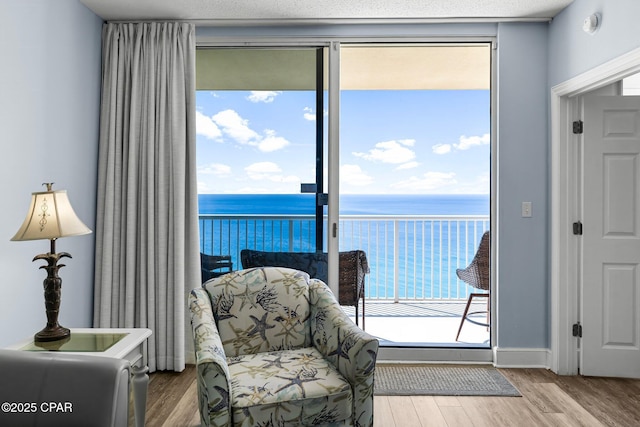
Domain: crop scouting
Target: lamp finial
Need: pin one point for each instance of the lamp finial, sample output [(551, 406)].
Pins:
[(48, 184)]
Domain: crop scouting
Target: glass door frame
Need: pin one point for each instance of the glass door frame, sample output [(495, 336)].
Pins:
[(391, 353), (333, 44), (320, 195)]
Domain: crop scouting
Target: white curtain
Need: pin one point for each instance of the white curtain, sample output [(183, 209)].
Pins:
[(147, 250)]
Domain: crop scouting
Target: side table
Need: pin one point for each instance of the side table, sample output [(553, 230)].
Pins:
[(120, 343)]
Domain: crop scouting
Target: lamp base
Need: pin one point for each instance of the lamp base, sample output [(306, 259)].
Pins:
[(52, 295), (52, 333)]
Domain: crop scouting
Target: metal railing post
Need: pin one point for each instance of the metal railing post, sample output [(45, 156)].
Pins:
[(396, 261), (290, 235)]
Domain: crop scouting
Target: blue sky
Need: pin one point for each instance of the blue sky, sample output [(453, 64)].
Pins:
[(392, 142)]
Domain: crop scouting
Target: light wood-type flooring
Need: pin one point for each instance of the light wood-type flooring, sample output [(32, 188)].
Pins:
[(547, 400)]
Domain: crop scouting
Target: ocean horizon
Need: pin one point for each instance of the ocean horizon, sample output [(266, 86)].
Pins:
[(350, 204)]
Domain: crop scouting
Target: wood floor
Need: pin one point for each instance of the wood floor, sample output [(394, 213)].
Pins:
[(547, 400)]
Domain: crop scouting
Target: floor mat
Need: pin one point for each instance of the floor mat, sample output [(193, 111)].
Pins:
[(450, 380)]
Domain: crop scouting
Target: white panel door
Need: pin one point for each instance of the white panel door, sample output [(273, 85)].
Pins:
[(610, 344)]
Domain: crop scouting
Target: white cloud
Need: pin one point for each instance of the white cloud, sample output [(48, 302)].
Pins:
[(441, 148), (467, 142), (272, 142), (408, 165), (215, 169), (394, 152), (428, 182), (309, 114), (206, 127), (236, 127), (268, 171), (266, 96), (464, 143), (263, 167), (354, 175)]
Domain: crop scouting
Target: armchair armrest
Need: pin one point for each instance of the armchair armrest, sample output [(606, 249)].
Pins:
[(351, 350), (213, 377)]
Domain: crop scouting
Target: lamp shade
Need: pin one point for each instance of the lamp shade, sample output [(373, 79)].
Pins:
[(50, 216)]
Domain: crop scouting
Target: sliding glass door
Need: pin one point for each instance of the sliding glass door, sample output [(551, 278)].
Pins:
[(415, 156), (396, 137)]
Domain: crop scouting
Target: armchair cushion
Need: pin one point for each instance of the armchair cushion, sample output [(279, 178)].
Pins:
[(261, 310), (290, 386)]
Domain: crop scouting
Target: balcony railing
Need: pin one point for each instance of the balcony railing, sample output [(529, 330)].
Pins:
[(410, 257)]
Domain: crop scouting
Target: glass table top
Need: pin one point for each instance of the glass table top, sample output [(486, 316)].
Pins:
[(78, 342)]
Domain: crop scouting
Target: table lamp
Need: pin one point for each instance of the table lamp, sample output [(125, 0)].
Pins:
[(50, 217)]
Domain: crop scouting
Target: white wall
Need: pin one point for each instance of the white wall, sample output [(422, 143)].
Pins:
[(49, 106), (522, 273), (572, 51)]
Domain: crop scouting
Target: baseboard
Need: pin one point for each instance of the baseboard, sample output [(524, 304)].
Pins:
[(521, 357), (433, 355)]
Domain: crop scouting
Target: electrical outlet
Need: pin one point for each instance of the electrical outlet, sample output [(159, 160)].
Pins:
[(526, 209)]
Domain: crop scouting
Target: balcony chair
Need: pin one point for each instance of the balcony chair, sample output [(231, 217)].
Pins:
[(63, 389), (214, 265), (353, 267), (273, 347), (478, 275)]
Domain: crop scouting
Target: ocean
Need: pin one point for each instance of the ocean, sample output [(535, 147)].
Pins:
[(350, 204), (409, 258)]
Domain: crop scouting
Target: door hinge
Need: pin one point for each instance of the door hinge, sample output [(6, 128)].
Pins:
[(577, 228), (577, 330), (578, 127)]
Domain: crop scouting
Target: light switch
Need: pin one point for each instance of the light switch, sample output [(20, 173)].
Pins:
[(526, 209)]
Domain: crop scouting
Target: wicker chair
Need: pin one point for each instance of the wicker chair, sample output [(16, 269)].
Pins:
[(478, 275), (352, 268), (214, 265)]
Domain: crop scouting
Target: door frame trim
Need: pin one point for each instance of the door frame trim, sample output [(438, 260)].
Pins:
[(565, 207)]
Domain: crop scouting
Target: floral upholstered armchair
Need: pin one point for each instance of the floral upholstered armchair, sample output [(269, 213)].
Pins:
[(274, 348)]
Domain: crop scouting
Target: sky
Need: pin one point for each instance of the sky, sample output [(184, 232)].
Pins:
[(391, 142)]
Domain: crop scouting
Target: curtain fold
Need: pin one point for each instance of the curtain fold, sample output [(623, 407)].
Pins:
[(147, 238)]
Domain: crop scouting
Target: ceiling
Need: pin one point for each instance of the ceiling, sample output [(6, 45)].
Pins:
[(242, 12)]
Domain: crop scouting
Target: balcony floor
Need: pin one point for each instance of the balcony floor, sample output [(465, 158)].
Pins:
[(424, 323)]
